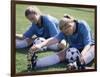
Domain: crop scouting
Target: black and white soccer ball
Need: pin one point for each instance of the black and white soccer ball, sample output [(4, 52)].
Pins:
[(72, 54), (39, 40)]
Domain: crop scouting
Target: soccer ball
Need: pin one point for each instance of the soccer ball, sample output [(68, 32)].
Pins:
[(39, 40), (72, 54)]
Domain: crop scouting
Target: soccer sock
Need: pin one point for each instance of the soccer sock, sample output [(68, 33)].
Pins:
[(47, 61), (89, 56), (21, 43)]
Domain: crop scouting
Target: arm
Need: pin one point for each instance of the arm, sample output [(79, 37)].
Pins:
[(87, 38), (45, 43), (30, 32), (49, 41), (27, 36)]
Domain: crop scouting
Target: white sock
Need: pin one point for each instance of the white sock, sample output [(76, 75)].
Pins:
[(47, 61), (21, 43), (89, 56)]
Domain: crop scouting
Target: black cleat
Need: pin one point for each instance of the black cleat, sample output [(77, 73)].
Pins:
[(72, 66), (31, 58), (33, 61), (79, 64)]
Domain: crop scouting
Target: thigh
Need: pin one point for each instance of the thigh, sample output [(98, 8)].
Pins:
[(92, 49)]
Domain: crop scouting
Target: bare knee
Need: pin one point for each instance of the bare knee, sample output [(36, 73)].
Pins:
[(62, 55), (62, 45)]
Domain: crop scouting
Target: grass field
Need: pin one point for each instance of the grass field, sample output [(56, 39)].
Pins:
[(22, 24)]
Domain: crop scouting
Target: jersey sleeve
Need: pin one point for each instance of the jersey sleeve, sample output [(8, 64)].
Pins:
[(86, 33), (30, 32), (59, 36), (52, 26)]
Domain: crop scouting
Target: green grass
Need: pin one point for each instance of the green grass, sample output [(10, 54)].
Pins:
[(58, 12)]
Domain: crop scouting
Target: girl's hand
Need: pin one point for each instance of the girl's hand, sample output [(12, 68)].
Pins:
[(61, 46), (35, 47)]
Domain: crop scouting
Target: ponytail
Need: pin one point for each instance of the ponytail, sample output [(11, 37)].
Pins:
[(69, 17)]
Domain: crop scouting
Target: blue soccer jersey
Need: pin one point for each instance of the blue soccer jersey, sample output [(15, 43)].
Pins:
[(80, 38), (48, 29)]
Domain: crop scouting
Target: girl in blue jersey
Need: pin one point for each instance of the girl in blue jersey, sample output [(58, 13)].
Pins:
[(44, 26), (77, 34)]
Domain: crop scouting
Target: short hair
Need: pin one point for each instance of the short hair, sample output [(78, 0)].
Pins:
[(32, 9)]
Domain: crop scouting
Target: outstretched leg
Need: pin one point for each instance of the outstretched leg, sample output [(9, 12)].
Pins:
[(50, 60), (22, 42)]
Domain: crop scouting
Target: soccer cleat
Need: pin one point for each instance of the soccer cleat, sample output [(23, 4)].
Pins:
[(33, 61), (72, 66), (79, 64), (31, 58)]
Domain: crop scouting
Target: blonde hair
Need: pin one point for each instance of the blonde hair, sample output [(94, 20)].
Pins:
[(32, 9), (65, 20)]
